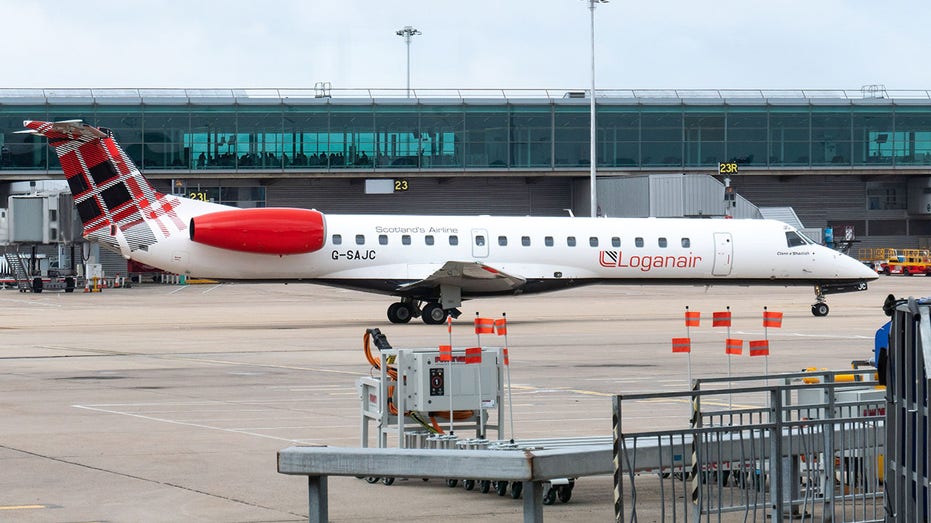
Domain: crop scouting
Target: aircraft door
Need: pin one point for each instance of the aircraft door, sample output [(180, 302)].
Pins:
[(479, 243), (723, 254)]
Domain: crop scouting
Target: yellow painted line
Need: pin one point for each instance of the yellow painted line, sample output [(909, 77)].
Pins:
[(21, 507)]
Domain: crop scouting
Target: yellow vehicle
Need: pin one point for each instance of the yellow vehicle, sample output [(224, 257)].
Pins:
[(908, 262)]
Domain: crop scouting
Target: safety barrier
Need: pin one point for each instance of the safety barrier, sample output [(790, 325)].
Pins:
[(908, 379), (788, 450)]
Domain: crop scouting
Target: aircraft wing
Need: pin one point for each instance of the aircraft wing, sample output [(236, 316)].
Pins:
[(471, 277)]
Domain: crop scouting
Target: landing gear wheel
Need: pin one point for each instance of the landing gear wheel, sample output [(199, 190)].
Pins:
[(451, 483), (468, 484), (501, 488), (549, 497), (433, 314), (400, 312), (372, 479), (484, 486), (387, 481), (516, 488), (820, 309)]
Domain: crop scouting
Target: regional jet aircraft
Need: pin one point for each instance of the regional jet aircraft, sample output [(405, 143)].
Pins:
[(430, 263)]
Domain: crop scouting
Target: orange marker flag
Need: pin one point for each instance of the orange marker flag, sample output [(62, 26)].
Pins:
[(507, 360), (681, 345), (484, 326), (721, 319), (501, 326), (759, 347), (449, 324), (734, 346), (772, 319), (692, 319), (473, 355), (446, 353)]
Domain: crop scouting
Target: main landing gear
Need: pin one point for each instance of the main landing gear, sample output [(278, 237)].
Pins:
[(432, 313)]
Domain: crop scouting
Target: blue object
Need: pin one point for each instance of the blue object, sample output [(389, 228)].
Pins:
[(881, 341)]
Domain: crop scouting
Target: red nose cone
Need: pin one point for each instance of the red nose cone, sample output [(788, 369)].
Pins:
[(262, 231)]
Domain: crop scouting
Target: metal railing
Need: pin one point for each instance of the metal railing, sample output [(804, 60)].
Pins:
[(809, 451)]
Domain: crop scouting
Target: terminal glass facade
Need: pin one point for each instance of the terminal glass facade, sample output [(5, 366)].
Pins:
[(279, 135)]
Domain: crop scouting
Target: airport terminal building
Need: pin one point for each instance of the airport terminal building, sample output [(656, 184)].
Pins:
[(859, 159)]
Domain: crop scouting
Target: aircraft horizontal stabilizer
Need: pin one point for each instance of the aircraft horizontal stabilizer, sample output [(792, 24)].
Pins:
[(471, 277)]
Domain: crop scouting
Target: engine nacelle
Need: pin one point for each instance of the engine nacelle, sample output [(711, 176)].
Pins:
[(263, 230)]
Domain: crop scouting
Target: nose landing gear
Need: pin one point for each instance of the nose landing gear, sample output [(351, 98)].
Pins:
[(820, 307)]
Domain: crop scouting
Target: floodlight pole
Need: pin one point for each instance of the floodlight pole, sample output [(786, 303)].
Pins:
[(407, 32), (593, 156)]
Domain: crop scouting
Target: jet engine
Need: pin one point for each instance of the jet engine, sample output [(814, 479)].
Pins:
[(263, 231)]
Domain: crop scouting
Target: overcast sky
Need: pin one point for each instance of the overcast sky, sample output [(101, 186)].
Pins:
[(830, 44)]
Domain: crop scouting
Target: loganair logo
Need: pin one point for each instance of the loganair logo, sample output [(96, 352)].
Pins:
[(616, 260)]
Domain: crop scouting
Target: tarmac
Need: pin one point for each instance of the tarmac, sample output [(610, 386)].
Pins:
[(169, 403)]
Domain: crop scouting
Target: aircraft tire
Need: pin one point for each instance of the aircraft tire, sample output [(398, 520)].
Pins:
[(433, 314), (400, 313), (820, 309)]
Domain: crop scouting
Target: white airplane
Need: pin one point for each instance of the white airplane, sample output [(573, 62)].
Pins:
[(431, 263)]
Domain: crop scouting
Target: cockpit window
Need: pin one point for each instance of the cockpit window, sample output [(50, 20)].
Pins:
[(794, 239)]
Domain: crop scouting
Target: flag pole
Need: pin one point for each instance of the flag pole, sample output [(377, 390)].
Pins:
[(507, 366), (688, 334), (730, 399), (481, 417), (449, 330)]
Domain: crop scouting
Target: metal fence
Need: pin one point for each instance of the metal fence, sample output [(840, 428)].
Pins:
[(908, 386), (809, 448)]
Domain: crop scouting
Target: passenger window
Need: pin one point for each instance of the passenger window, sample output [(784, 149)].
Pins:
[(686, 243), (337, 239), (360, 239), (593, 241), (382, 239), (525, 241), (406, 239), (428, 239), (480, 240), (662, 242), (503, 241), (793, 239), (570, 241), (548, 241), (454, 240), (638, 242), (615, 242)]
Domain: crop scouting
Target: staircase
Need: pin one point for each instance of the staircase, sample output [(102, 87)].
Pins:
[(15, 262), (783, 214)]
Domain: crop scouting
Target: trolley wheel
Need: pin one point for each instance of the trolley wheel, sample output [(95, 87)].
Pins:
[(564, 493), (372, 479), (469, 484), (387, 481), (516, 488), (549, 497), (451, 483), (484, 486), (501, 487)]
